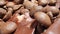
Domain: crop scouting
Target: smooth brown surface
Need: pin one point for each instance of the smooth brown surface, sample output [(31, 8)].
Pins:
[(43, 18), (54, 28)]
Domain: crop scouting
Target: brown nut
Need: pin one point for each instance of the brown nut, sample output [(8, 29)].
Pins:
[(42, 2), (53, 9), (50, 14), (52, 1), (2, 12), (8, 27), (34, 9), (8, 14), (2, 2), (43, 18), (10, 4), (28, 4)]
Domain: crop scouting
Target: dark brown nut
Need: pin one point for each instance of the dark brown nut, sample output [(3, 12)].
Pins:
[(18, 1), (8, 27), (43, 18), (43, 2), (19, 10), (10, 4), (8, 14), (54, 28), (39, 29), (2, 12), (28, 4), (2, 2)]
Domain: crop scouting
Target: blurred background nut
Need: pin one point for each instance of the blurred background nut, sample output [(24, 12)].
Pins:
[(8, 14), (35, 9), (52, 2), (28, 4), (10, 4), (43, 2), (2, 12), (2, 2), (52, 11)]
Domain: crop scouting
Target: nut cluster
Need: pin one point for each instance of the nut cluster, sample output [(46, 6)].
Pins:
[(29, 16)]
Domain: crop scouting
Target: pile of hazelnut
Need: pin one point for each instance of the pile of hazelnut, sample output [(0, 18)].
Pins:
[(29, 16)]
